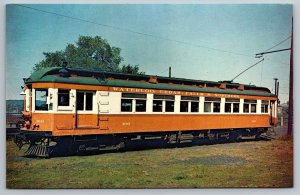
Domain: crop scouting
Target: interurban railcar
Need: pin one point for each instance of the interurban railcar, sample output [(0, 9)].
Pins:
[(79, 109)]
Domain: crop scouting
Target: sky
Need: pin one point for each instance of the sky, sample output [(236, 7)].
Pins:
[(199, 41)]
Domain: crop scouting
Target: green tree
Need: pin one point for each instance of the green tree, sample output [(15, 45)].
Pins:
[(131, 69), (88, 52)]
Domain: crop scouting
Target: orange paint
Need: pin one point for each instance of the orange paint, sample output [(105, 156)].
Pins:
[(131, 123)]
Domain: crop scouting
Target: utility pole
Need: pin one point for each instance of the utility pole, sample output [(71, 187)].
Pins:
[(170, 69), (291, 103), (276, 92)]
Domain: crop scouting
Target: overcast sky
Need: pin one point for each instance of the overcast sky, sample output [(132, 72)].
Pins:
[(207, 42)]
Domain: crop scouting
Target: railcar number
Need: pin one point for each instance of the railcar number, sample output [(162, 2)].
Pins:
[(40, 121), (126, 123)]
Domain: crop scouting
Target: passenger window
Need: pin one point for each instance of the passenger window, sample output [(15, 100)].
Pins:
[(158, 103), (264, 106), (194, 106), (207, 106), (140, 105), (63, 97), (169, 106), (129, 98), (126, 105), (212, 104), (41, 99), (184, 106), (232, 105), (249, 106), (216, 107), (253, 108), (228, 107), (236, 107)]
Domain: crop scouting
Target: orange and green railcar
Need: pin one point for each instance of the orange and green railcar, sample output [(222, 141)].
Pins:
[(79, 109)]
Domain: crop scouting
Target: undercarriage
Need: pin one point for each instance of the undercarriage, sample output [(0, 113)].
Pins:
[(43, 144)]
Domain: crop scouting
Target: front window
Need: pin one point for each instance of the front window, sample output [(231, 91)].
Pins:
[(41, 99)]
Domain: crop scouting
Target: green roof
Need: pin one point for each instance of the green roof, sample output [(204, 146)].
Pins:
[(52, 75)]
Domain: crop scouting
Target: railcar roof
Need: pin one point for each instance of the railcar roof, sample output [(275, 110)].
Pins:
[(105, 78)]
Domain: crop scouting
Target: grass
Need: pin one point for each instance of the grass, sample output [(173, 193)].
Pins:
[(246, 164)]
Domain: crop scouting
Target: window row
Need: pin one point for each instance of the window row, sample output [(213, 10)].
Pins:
[(84, 99), (165, 103), (160, 103)]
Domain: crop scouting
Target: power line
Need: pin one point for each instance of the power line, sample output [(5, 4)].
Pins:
[(132, 31), (164, 71), (278, 43)]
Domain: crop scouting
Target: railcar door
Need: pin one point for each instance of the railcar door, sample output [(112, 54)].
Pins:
[(86, 109)]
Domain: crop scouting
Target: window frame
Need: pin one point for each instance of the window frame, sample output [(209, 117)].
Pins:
[(163, 99), (232, 102), (212, 101), (250, 103), (265, 104), (134, 97), (190, 100)]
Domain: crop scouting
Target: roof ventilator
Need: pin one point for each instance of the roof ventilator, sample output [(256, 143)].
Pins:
[(153, 79), (222, 86), (241, 87)]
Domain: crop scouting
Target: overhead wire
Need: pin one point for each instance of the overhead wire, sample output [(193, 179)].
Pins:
[(133, 31), (165, 70), (278, 43)]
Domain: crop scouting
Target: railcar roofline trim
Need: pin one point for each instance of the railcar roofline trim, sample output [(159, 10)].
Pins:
[(104, 78)]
